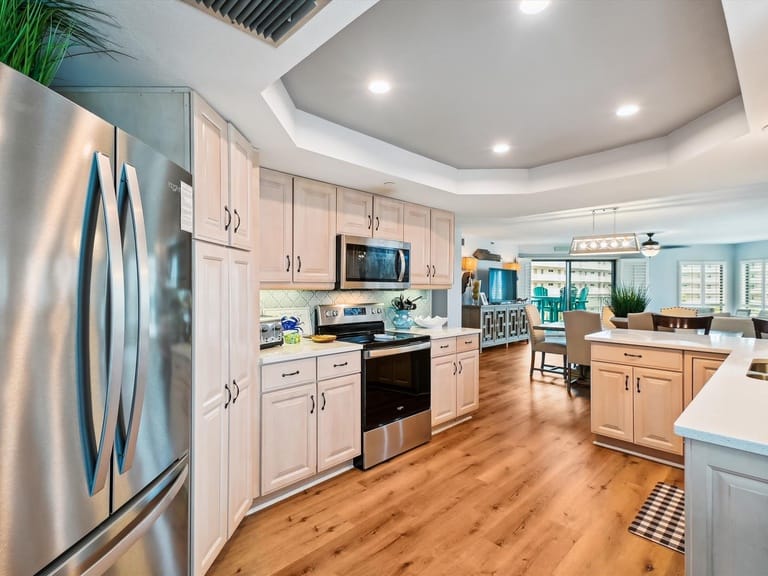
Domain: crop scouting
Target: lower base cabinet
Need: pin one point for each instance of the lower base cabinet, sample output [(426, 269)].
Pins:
[(455, 377), (310, 418), (726, 506)]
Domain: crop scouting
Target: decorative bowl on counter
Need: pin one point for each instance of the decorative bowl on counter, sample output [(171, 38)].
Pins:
[(430, 321)]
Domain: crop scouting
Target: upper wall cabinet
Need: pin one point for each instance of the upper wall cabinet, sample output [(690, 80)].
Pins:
[(363, 214), (297, 231), (431, 234), (222, 177)]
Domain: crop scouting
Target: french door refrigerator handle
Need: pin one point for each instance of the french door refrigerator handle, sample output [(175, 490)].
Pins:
[(97, 465), (129, 184)]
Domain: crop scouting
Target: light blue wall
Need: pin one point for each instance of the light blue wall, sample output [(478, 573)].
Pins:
[(752, 250)]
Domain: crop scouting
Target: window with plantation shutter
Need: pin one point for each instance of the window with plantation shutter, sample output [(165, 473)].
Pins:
[(753, 287), (702, 284)]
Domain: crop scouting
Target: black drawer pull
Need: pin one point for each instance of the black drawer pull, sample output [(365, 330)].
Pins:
[(467, 341), (445, 346), (340, 365), (291, 373), (633, 355)]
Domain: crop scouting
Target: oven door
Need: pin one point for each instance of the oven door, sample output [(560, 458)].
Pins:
[(396, 383), (371, 263)]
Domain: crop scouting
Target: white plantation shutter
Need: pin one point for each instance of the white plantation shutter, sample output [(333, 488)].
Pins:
[(702, 284), (634, 273), (753, 288)]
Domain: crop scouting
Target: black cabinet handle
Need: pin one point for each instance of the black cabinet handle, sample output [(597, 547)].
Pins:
[(287, 262), (445, 346), (229, 218), (323, 406), (312, 397), (340, 365), (377, 222), (298, 258), (427, 270), (467, 341), (454, 368), (229, 396), (434, 271), (291, 373), (461, 367), (626, 382), (638, 385), (237, 388), (369, 221), (633, 355), (237, 226)]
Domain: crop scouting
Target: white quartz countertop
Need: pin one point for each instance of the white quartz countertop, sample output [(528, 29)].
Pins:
[(732, 408), (304, 349), (442, 332)]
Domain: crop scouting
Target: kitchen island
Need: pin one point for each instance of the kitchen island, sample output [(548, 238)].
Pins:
[(725, 427)]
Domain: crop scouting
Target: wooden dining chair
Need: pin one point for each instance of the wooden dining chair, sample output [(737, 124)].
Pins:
[(672, 323), (679, 311), (606, 314), (761, 327), (541, 342)]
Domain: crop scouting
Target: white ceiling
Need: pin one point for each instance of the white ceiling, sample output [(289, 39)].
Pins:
[(692, 165), (467, 74)]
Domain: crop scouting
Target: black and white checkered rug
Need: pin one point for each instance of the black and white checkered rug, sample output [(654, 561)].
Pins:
[(662, 517)]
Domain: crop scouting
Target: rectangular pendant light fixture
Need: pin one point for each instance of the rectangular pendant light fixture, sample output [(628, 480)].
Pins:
[(604, 244)]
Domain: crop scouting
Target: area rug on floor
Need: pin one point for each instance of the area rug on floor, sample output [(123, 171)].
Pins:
[(662, 517)]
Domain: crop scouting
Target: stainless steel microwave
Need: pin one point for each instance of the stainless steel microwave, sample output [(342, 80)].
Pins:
[(372, 264)]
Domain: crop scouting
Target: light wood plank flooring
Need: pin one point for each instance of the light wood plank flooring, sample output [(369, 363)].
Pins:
[(519, 489)]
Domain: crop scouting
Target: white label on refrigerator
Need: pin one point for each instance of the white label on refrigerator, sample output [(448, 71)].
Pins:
[(187, 208)]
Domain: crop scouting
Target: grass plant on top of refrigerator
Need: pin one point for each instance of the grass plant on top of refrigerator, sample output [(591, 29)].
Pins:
[(36, 35)]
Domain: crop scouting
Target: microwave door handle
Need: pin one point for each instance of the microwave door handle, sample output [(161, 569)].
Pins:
[(401, 258)]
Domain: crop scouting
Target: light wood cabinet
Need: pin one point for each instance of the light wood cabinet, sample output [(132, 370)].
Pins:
[(363, 214), (309, 426), (455, 377), (726, 504), (699, 368), (243, 192), (223, 405), (431, 234), (634, 403), (297, 231)]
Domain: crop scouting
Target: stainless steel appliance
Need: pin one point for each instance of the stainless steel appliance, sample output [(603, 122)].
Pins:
[(95, 344), (396, 374), (372, 263), (270, 332)]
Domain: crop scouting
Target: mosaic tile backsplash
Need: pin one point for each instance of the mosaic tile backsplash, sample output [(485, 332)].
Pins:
[(288, 299)]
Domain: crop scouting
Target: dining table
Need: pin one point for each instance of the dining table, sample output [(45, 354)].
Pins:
[(551, 326), (549, 306)]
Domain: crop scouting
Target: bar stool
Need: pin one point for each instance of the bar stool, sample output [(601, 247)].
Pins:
[(672, 323)]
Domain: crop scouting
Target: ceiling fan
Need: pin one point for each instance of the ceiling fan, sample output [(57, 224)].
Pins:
[(650, 247)]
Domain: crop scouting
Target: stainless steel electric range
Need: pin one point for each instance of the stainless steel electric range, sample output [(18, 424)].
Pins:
[(396, 378)]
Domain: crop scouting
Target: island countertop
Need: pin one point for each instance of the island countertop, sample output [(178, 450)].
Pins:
[(732, 408)]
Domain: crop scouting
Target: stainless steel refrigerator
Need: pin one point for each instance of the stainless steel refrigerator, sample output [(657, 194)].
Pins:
[(95, 344)]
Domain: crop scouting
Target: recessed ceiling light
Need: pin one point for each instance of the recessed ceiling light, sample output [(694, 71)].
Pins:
[(500, 148), (379, 86), (627, 110), (533, 6)]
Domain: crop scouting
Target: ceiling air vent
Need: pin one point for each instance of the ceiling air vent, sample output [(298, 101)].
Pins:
[(269, 20)]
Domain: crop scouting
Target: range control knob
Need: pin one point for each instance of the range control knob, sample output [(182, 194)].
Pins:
[(335, 312), (327, 313), (378, 310)]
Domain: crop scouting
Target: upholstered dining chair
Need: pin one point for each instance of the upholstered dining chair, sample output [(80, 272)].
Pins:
[(761, 327), (639, 321), (579, 323), (606, 314), (541, 342), (679, 311), (673, 323)]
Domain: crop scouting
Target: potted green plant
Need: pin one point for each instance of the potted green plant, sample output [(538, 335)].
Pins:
[(36, 35), (628, 299)]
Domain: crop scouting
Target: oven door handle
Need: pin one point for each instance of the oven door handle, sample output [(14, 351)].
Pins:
[(391, 351)]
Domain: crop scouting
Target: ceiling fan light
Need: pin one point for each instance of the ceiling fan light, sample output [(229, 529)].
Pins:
[(650, 247)]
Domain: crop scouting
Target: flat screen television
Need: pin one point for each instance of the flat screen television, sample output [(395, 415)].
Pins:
[(502, 285)]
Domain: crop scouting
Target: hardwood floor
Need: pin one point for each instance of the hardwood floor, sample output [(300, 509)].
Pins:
[(519, 489)]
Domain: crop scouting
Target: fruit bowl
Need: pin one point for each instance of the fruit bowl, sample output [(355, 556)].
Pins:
[(430, 321)]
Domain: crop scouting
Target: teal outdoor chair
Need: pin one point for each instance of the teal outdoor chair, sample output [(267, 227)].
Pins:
[(581, 300)]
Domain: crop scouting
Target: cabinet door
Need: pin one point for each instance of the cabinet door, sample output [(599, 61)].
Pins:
[(338, 421), (702, 371), (441, 247), (500, 325), (275, 226), (443, 389), (289, 436), (611, 403), (522, 323), (416, 230), (488, 319), (658, 402), (314, 231), (513, 330), (209, 416), (467, 382), (243, 316), (211, 173), (388, 218), (241, 232), (354, 212)]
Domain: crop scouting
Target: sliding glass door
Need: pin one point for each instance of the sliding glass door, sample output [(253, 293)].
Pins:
[(559, 285)]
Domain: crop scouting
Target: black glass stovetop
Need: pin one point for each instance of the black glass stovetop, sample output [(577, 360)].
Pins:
[(384, 339)]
